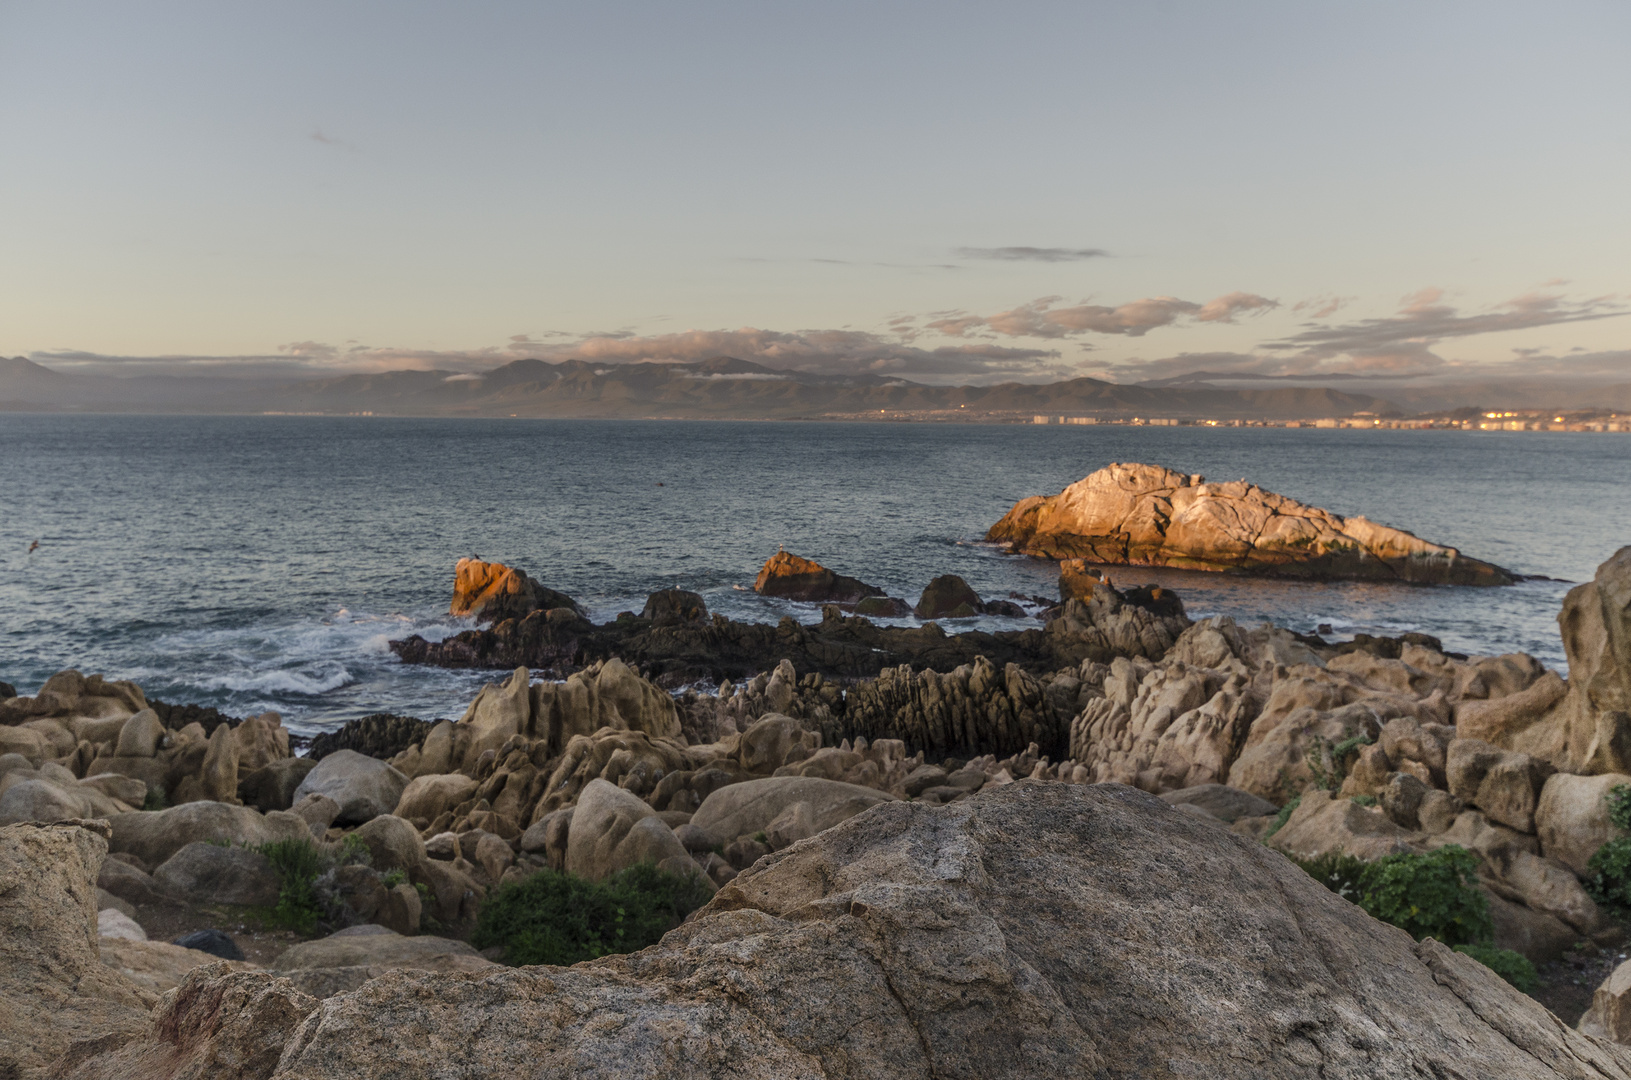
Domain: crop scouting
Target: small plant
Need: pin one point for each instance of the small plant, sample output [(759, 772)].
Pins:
[(1609, 882), (1515, 968), (761, 837), (558, 918), (394, 878), (1429, 895), (1363, 800), (156, 799), (1283, 816), (1619, 806), (1338, 871), (1329, 763)]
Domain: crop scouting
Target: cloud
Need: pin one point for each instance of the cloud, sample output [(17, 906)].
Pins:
[(1323, 306), (317, 136), (1405, 341), (1041, 318), (1032, 254)]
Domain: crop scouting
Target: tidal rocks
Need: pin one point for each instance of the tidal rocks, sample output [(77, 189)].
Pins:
[(672, 607), (380, 735), (1146, 515), (494, 592), (1035, 930), (792, 578), (948, 597)]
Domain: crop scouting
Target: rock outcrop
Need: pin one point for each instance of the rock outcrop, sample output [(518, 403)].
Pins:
[(1146, 515), (492, 592), (1036, 930), (793, 578)]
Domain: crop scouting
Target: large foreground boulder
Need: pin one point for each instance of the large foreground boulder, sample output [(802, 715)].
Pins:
[(1146, 515), (54, 986), (1034, 930)]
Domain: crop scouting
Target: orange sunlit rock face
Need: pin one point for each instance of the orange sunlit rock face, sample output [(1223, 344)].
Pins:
[(491, 590), (1146, 515), (793, 578)]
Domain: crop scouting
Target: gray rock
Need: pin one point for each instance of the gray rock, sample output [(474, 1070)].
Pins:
[(364, 787), (272, 786), (613, 829), (212, 941), (140, 735), (212, 874), (1221, 801), (155, 835), (750, 807)]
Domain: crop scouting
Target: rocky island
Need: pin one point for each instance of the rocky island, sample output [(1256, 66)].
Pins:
[(1146, 515)]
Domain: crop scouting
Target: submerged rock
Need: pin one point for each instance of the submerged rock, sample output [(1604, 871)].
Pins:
[(1146, 515)]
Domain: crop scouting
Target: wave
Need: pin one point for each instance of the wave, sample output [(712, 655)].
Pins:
[(278, 682)]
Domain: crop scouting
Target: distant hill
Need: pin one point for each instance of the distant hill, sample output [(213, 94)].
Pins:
[(727, 388)]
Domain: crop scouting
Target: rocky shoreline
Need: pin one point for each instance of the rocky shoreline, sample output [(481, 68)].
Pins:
[(1083, 777)]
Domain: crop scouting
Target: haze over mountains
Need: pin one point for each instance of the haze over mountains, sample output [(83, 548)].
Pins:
[(727, 388)]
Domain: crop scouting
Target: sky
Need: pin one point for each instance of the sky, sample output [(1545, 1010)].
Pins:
[(945, 192)]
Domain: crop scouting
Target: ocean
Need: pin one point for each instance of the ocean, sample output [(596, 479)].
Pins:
[(263, 562)]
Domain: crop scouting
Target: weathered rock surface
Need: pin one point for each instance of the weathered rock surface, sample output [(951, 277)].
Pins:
[(216, 874), (1036, 930), (1609, 1017), (1146, 515), (1571, 818), (948, 597), (155, 835), (747, 808), (157, 966), (793, 578), (68, 695), (613, 829), (53, 984), (346, 960), (493, 591), (364, 787)]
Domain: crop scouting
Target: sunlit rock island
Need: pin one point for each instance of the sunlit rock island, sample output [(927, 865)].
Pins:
[(1099, 839)]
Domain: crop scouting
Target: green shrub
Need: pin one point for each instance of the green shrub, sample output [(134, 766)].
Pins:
[(1619, 806), (394, 878), (558, 918), (1363, 800), (1609, 882), (1283, 816), (1329, 763), (1342, 873), (156, 799), (1429, 895), (300, 864), (1515, 968)]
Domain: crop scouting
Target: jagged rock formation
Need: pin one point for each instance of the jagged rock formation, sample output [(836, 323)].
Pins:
[(793, 578), (490, 591), (678, 651), (1146, 515), (1035, 930)]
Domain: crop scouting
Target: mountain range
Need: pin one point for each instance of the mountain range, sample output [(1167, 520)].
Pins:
[(727, 388)]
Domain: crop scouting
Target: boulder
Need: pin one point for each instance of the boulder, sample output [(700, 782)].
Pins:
[(43, 801), (128, 883), (429, 795), (364, 787), (750, 807), (158, 966), (1324, 823), (1609, 1017), (792, 578), (217, 777), (675, 607), (258, 741), (1146, 515), (272, 786), (155, 835), (207, 873), (948, 597), (1538, 936), (882, 607), (1571, 817), (70, 695), (317, 811), (1506, 721), (347, 959), (1033, 930), (613, 829), (55, 987), (1589, 730), (220, 1022), (1077, 580), (493, 592), (771, 741), (1504, 784), (1221, 801), (112, 923), (140, 735), (393, 844)]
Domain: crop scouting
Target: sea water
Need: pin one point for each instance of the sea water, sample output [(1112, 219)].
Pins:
[(261, 562)]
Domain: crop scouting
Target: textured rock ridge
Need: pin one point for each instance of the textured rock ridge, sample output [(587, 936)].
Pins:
[(1036, 930), (1147, 515)]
